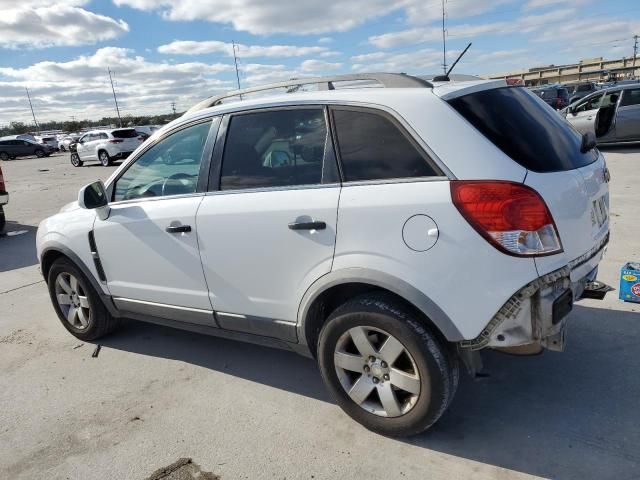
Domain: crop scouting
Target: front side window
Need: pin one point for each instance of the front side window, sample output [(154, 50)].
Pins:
[(274, 149), (373, 148), (630, 97), (591, 103), (170, 167)]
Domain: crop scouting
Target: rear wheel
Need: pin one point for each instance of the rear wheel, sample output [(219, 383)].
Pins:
[(62, 149), (3, 220), (384, 367), (104, 158), (4, 156), (39, 153), (76, 302), (75, 160)]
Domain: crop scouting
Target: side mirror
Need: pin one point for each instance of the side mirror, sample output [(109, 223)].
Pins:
[(94, 197), (588, 142)]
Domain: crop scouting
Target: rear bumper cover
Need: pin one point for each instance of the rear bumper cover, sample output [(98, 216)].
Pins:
[(536, 315)]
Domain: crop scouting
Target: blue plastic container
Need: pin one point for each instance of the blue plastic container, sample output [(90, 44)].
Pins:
[(630, 282)]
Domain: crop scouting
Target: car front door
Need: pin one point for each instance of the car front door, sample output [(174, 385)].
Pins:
[(148, 244), (83, 147), (583, 115), (267, 228), (628, 116)]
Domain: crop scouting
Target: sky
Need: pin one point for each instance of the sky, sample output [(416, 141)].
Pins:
[(164, 51)]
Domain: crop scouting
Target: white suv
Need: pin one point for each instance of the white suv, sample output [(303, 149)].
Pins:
[(106, 146), (388, 232)]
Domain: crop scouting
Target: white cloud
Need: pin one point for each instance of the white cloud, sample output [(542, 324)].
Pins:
[(533, 4), (325, 40), (422, 61), (319, 66), (187, 47), (42, 23), (276, 16), (80, 87)]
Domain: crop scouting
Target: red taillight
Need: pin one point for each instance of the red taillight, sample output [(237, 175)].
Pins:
[(2, 186), (116, 141), (558, 102), (511, 216)]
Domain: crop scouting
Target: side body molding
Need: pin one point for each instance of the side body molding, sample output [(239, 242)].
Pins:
[(383, 280)]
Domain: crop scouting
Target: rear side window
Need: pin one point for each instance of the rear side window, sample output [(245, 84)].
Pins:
[(630, 97), (276, 148), (373, 148), (524, 128), (128, 133)]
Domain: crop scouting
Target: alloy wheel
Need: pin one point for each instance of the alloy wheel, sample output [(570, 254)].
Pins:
[(377, 371), (104, 159), (75, 159), (73, 301)]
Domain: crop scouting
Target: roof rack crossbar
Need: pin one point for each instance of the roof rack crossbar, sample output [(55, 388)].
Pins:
[(387, 80)]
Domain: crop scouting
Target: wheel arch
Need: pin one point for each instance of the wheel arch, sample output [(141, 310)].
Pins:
[(54, 252), (335, 288)]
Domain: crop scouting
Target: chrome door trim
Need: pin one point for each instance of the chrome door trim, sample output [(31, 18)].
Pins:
[(162, 310)]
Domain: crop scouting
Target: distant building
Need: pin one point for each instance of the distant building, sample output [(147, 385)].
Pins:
[(594, 69)]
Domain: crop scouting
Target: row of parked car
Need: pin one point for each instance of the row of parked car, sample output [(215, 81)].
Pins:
[(103, 144)]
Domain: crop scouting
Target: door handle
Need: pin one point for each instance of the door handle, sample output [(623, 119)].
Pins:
[(589, 118), (178, 228), (307, 225)]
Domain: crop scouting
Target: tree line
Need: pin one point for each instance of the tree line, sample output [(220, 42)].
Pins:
[(70, 126)]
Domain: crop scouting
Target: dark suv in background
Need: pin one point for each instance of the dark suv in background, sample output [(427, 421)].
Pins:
[(13, 147), (556, 96)]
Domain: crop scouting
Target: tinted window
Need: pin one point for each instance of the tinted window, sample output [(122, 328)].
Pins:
[(373, 148), (275, 148), (170, 167), (630, 97), (5, 142), (562, 93), (590, 103), (584, 88), (128, 133), (524, 128)]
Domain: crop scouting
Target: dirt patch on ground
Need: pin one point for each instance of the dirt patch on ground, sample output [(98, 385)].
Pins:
[(183, 469)]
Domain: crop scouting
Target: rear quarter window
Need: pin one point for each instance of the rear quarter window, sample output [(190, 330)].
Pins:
[(524, 128)]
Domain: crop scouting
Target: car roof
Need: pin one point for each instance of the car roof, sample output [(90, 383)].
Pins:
[(363, 95)]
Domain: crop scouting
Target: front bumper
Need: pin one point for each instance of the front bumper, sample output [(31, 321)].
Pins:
[(4, 198), (535, 317)]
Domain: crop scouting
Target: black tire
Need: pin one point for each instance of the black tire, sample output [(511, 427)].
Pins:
[(3, 220), (4, 156), (436, 362), (62, 149), (100, 322), (104, 158), (75, 160), (39, 153)]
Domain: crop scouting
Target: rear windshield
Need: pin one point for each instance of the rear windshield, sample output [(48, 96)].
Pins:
[(127, 133), (563, 93), (525, 129)]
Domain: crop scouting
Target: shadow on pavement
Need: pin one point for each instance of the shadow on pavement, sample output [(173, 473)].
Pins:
[(17, 249), (625, 149), (559, 415)]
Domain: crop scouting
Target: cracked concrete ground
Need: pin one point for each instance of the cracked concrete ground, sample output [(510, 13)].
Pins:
[(155, 395)]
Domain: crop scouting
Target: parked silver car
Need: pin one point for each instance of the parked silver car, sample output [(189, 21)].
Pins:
[(612, 114)]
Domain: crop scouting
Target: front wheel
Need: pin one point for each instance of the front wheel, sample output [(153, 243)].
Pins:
[(77, 303), (39, 153), (75, 160), (62, 149), (384, 367), (105, 160)]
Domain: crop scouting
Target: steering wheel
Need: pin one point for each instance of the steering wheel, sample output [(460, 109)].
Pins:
[(137, 191), (178, 176)]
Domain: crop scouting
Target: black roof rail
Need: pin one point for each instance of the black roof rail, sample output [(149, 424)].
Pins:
[(387, 80)]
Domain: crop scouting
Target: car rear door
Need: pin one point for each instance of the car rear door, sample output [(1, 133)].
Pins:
[(148, 244), (267, 228), (627, 127)]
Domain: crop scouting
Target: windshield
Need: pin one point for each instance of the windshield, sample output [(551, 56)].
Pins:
[(524, 128)]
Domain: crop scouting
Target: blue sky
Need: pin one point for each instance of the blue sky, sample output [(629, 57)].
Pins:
[(164, 51)]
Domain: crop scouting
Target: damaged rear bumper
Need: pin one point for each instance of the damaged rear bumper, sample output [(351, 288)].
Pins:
[(535, 317)]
